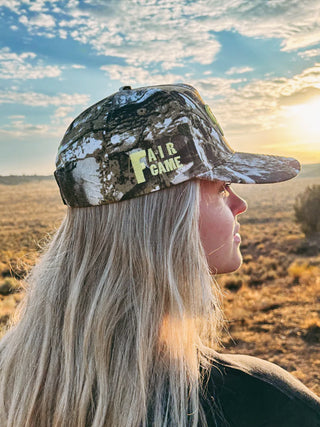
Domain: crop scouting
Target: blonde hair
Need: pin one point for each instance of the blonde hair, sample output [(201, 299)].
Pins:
[(119, 318)]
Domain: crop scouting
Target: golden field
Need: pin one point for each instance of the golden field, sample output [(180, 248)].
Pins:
[(272, 305)]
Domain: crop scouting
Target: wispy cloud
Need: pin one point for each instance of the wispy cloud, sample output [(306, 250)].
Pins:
[(138, 76), (239, 70), (259, 104), (17, 117), (171, 33), (24, 66), (300, 96), (40, 20), (297, 24), (158, 42), (18, 128), (35, 99), (13, 5), (78, 66), (147, 43), (310, 53), (62, 112)]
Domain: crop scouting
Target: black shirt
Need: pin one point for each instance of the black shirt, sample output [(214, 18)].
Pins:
[(244, 391)]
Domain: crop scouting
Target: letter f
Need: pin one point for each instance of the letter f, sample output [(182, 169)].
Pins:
[(137, 165)]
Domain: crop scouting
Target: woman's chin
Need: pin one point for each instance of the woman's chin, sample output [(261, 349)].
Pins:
[(228, 267)]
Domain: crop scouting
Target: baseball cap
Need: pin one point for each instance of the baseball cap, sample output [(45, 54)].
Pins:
[(137, 141)]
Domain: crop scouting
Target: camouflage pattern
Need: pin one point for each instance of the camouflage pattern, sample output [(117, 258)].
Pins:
[(137, 141)]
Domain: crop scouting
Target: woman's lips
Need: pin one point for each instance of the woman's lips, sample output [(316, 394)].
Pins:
[(237, 238)]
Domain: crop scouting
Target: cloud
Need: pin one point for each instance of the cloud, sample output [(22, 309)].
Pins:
[(40, 20), (35, 99), (309, 77), (41, 27), (168, 44), (138, 76), (238, 70), (170, 34), (192, 23), (72, 23), (39, 6), (19, 128), (23, 66), (63, 34), (297, 25), (78, 66), (215, 87), (154, 39), (61, 119), (309, 53), (13, 5), (62, 112), (138, 34), (258, 104), (17, 116), (300, 96)]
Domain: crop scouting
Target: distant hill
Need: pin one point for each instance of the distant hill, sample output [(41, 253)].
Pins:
[(21, 179), (310, 171), (307, 171)]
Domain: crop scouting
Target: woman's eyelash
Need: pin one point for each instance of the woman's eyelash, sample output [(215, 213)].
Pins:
[(225, 189)]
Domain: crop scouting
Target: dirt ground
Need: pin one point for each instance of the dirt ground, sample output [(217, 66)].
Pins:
[(272, 304)]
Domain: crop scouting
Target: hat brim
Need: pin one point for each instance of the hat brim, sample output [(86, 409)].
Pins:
[(246, 168)]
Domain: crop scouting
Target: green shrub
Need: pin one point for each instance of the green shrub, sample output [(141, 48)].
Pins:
[(307, 210)]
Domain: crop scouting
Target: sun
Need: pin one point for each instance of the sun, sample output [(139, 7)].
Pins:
[(305, 119)]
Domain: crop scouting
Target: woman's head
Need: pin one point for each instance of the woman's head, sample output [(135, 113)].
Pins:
[(139, 141)]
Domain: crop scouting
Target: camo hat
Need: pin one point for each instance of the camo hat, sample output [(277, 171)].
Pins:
[(137, 141)]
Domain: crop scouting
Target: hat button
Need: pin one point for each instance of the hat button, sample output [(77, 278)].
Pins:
[(125, 88)]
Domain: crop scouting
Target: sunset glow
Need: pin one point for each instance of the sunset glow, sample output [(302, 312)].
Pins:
[(305, 119), (256, 64)]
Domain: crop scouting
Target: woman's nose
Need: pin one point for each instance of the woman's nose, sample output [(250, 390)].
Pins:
[(237, 204)]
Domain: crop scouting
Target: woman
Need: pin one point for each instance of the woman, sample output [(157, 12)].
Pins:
[(122, 314)]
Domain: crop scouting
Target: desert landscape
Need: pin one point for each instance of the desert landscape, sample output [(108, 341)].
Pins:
[(271, 305)]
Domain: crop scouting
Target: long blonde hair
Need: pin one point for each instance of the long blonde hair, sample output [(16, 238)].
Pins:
[(118, 319)]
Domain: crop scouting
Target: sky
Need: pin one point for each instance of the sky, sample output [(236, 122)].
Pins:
[(255, 62)]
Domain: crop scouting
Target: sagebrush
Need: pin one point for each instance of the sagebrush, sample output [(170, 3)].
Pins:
[(307, 208)]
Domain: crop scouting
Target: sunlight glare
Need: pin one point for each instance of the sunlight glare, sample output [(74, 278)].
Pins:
[(305, 118)]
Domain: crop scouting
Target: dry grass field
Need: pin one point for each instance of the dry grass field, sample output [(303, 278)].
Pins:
[(272, 305)]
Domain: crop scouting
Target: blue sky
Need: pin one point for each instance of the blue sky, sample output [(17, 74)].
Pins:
[(257, 63)]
